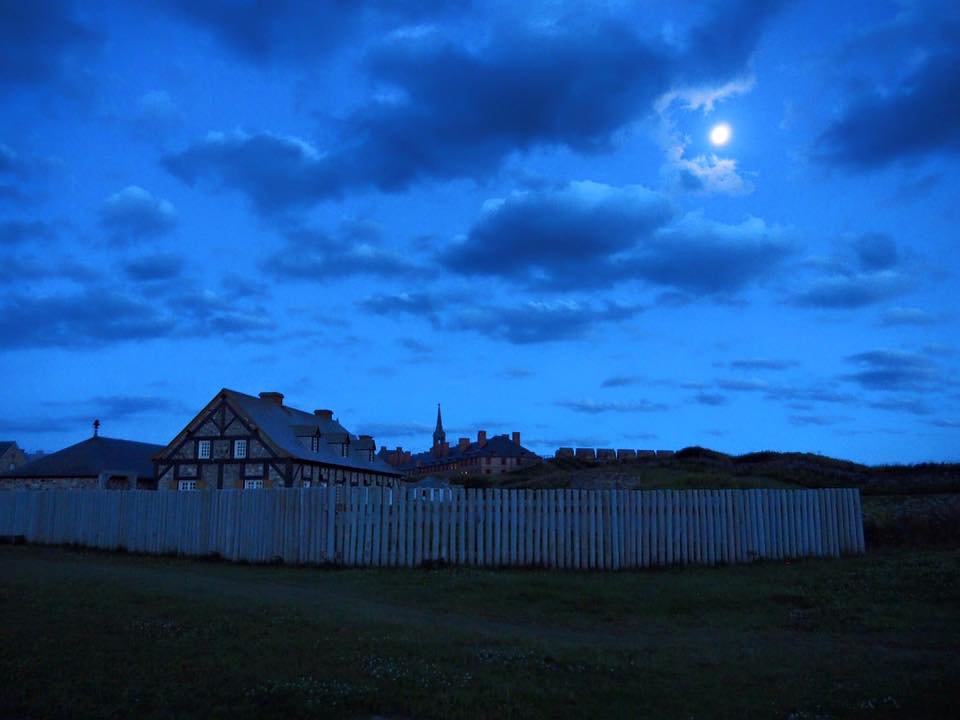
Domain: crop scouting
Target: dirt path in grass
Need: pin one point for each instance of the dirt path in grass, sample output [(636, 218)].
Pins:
[(301, 587)]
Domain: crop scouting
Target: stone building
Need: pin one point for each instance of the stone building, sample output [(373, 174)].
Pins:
[(493, 456), (243, 442), (98, 462)]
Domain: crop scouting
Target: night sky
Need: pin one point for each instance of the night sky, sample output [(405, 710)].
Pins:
[(513, 209)]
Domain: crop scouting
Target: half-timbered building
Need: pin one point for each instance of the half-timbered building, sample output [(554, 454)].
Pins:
[(239, 441)]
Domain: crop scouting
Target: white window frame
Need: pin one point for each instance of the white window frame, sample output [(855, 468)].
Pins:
[(240, 449), (187, 485), (253, 484), (204, 445)]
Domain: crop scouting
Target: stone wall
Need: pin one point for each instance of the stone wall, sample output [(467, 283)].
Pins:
[(606, 455), (71, 483)]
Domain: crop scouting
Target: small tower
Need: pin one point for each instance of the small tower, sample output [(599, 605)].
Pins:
[(96, 428), (439, 436)]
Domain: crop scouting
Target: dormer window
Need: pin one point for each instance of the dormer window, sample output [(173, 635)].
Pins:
[(315, 443)]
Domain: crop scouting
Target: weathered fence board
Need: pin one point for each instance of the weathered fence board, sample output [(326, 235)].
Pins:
[(359, 526)]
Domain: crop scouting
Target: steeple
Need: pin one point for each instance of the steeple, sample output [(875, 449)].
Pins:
[(439, 436)]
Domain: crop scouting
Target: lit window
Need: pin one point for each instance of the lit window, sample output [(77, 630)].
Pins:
[(252, 484), (240, 448), (203, 450), (188, 485), (307, 483)]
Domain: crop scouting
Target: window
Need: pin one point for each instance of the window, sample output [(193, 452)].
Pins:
[(188, 485), (240, 448), (252, 484), (315, 443), (203, 450), (307, 472), (307, 483)]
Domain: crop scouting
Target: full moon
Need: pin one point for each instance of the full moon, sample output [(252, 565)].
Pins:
[(720, 134)]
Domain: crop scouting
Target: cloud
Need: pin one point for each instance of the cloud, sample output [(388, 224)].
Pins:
[(156, 115), (846, 292), (42, 41), (706, 175), (159, 267), (530, 322), (621, 381), (558, 236), (816, 420), (906, 316), (894, 370), (919, 117), (869, 270), (876, 251), (300, 33), (357, 249), (592, 407), (536, 322), (441, 110), (17, 232), (713, 399), (396, 430), (135, 214), (706, 257), (86, 319), (761, 364), (276, 172)]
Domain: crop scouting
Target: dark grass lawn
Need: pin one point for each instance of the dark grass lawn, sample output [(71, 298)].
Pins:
[(88, 634)]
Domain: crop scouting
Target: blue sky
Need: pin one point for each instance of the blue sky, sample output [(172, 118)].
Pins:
[(514, 211)]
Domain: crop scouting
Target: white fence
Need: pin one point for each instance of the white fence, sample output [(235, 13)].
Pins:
[(577, 529)]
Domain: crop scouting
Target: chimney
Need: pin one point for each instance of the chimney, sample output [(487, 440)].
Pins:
[(463, 444), (481, 438), (515, 436), (324, 414), (274, 397)]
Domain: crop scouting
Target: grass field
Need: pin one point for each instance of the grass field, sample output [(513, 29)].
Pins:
[(88, 634)]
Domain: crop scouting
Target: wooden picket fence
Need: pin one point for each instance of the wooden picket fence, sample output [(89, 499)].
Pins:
[(370, 526)]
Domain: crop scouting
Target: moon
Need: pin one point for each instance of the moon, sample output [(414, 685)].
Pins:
[(721, 134)]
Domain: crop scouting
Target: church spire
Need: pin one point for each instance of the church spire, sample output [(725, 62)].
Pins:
[(439, 436)]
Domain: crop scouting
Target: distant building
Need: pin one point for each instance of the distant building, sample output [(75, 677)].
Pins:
[(243, 442), (494, 456), (11, 456), (98, 462)]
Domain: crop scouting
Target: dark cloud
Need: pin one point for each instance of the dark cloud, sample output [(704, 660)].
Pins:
[(893, 370), (158, 267), (539, 322), (621, 381), (16, 232), (712, 399), (357, 249), (117, 407), (906, 316), (919, 117), (135, 214), (420, 304), (559, 236), (87, 319), (42, 41), (586, 235), (848, 292), (527, 323), (302, 33), (275, 172), (444, 111), (876, 251), (815, 420), (761, 364), (592, 407), (706, 257), (202, 312), (869, 269), (910, 405), (156, 115)]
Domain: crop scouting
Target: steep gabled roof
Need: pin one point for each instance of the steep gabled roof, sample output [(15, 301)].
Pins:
[(281, 425), (91, 457), (6, 445)]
